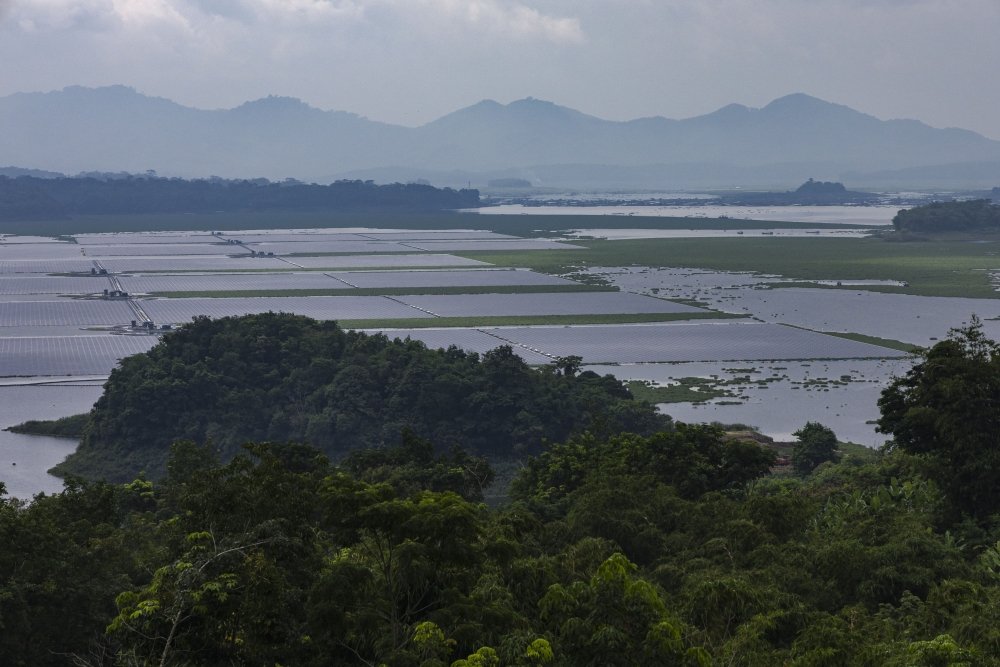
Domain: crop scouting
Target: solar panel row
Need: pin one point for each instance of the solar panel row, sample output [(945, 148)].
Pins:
[(651, 343), (67, 355)]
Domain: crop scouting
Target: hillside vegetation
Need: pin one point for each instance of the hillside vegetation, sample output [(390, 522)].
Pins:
[(954, 216), (616, 549), (32, 198), (288, 378)]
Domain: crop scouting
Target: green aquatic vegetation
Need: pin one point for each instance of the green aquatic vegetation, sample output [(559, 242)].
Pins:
[(942, 268), (682, 390)]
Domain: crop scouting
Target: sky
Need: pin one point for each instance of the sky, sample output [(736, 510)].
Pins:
[(411, 61)]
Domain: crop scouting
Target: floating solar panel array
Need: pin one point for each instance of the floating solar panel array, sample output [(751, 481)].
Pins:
[(68, 355), (42, 332), (323, 247), (41, 251), (150, 264), (446, 235), (165, 249), (41, 284), (46, 266), (228, 282), (653, 343), (379, 261), (292, 237), (7, 239), (357, 234), (134, 238), (561, 303), (64, 313), (513, 244), (703, 341), (470, 340), (455, 278), (317, 307)]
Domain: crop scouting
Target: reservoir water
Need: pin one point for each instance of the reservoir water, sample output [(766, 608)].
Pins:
[(25, 459), (855, 215)]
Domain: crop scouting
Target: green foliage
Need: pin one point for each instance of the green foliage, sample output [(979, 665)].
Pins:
[(65, 427), (412, 466), (635, 551), (952, 216), (62, 560), (694, 459), (31, 198), (288, 378), (615, 618), (816, 444), (941, 268), (946, 410)]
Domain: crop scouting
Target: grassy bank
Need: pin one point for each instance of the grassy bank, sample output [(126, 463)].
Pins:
[(67, 427), (952, 268)]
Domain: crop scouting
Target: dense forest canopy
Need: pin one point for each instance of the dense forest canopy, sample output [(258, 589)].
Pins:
[(288, 378), (616, 549), (32, 198), (953, 216)]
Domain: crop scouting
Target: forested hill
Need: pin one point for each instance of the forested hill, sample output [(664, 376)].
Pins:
[(287, 378), (31, 198), (955, 216), (617, 550)]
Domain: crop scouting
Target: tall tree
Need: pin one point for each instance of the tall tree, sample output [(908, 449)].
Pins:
[(946, 409), (816, 444)]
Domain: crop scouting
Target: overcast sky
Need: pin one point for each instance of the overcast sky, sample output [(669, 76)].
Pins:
[(410, 61)]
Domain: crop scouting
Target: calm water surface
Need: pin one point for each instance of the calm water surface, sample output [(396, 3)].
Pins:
[(855, 215), (24, 459), (780, 397)]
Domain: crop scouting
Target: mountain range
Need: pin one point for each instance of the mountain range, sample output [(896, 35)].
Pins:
[(116, 128)]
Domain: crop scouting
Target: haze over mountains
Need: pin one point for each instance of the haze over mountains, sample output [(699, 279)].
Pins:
[(797, 136)]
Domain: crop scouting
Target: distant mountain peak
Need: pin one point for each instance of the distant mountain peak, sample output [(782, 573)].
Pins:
[(116, 128), (278, 102), (532, 101), (797, 98), (116, 88), (802, 103), (729, 111)]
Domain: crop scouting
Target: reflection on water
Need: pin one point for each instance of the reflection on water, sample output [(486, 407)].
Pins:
[(625, 234), (780, 397), (855, 215), (919, 320), (24, 459)]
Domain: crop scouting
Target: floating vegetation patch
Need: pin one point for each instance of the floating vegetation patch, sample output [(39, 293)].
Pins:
[(683, 390)]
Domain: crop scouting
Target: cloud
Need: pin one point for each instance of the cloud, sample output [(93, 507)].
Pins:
[(409, 61), (500, 18), (497, 18)]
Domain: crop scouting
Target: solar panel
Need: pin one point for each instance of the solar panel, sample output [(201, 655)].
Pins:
[(561, 303), (68, 355), (317, 307)]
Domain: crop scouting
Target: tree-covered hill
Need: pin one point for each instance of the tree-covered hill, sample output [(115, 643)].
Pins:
[(616, 549), (287, 378), (33, 198), (977, 215)]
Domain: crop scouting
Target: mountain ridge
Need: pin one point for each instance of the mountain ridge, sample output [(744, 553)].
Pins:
[(117, 128)]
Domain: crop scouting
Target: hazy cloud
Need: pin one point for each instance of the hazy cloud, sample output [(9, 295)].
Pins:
[(500, 17), (411, 60)]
